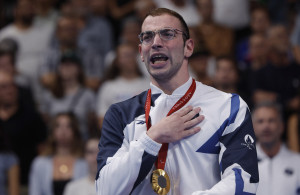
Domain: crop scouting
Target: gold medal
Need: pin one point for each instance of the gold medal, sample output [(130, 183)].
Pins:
[(160, 182)]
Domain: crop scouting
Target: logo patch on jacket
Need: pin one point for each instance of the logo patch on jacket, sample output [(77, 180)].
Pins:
[(289, 171), (249, 142)]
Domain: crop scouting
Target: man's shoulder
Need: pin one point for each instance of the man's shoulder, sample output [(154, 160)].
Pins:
[(137, 100)]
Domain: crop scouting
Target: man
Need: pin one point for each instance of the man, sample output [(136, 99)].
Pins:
[(215, 160), (226, 77), (278, 167)]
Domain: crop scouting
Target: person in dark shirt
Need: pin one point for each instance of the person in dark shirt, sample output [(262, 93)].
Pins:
[(24, 127)]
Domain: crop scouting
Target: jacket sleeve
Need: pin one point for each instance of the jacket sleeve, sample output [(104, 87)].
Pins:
[(122, 164), (237, 155)]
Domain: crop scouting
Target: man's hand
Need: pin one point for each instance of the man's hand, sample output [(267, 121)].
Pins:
[(176, 126)]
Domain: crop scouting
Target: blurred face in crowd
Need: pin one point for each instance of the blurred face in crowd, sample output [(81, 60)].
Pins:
[(142, 7), (267, 125), (98, 7), (8, 90), (129, 32), (260, 22), (63, 133), (164, 59), (6, 64), (25, 11), (68, 71), (258, 47), (91, 152), (67, 32), (199, 64), (126, 56), (205, 8), (278, 38), (226, 74)]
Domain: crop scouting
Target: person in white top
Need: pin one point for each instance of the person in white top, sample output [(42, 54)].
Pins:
[(279, 170), (124, 80), (86, 185)]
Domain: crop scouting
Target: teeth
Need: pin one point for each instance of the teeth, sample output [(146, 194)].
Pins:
[(159, 58)]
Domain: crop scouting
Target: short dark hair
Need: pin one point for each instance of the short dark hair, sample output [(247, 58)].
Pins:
[(162, 11)]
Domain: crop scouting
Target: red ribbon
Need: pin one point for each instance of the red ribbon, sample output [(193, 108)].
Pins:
[(162, 155)]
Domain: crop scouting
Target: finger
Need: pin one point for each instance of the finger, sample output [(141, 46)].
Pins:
[(190, 132), (193, 122), (185, 111), (191, 114)]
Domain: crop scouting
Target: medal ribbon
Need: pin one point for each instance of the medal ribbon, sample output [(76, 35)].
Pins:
[(162, 155)]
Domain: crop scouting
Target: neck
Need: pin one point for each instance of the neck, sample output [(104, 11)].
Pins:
[(63, 151), (271, 149)]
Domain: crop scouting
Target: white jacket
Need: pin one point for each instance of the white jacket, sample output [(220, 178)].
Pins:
[(220, 159)]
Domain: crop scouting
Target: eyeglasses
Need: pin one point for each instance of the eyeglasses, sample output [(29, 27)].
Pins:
[(165, 34)]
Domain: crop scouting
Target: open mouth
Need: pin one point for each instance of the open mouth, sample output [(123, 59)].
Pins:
[(158, 58)]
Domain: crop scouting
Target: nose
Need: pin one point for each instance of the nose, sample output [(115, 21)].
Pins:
[(157, 42)]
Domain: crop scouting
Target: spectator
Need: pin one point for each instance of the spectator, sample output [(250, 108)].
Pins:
[(124, 80), (142, 7), (231, 13), (260, 24), (218, 39), (279, 171), (21, 123), (46, 14), (186, 8), (199, 65), (96, 31), (69, 94), (130, 28), (8, 52), (9, 168), (61, 159), (258, 58), (32, 41), (66, 41), (226, 77), (86, 185), (279, 80), (121, 9)]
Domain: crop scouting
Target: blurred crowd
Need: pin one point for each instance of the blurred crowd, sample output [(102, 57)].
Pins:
[(64, 62)]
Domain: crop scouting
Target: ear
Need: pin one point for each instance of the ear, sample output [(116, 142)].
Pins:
[(189, 48), (140, 51)]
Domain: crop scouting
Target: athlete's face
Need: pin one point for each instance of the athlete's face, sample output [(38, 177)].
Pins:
[(267, 125), (164, 58)]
